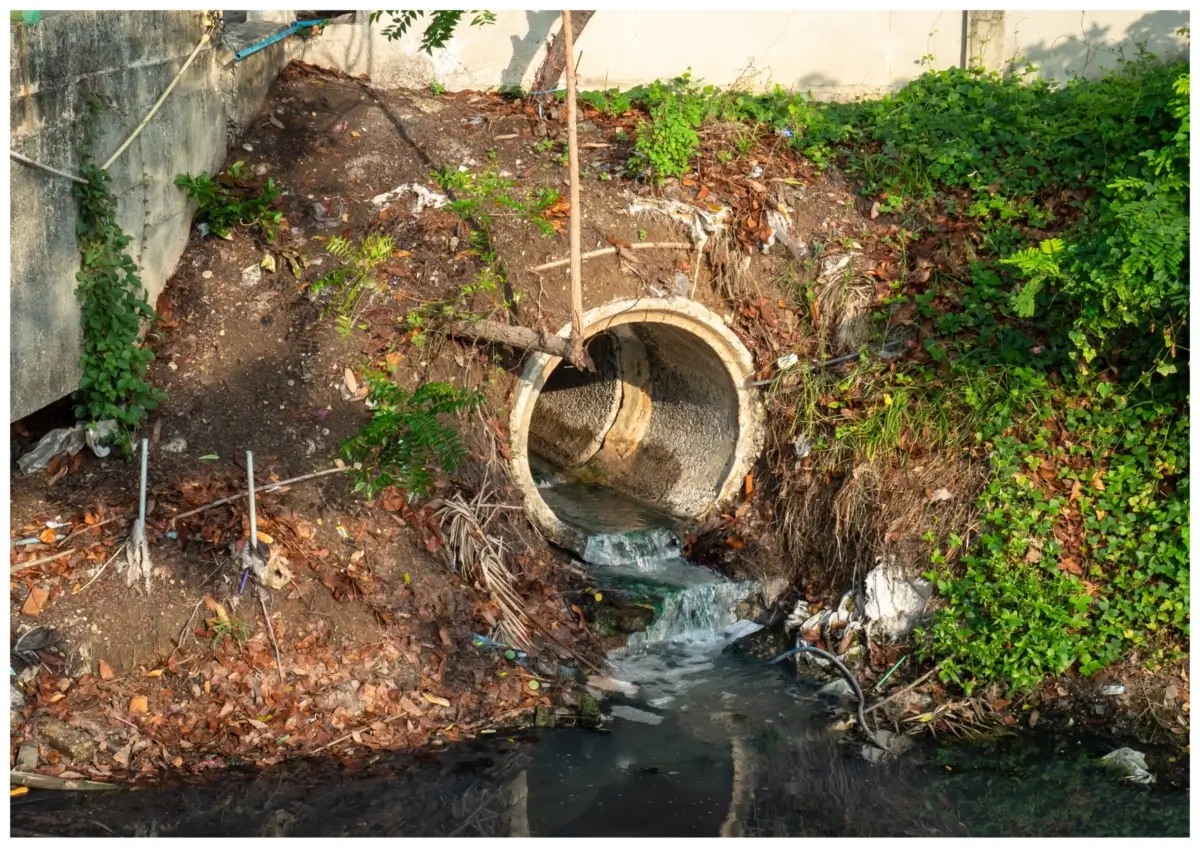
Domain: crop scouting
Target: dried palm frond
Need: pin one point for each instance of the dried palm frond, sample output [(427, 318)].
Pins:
[(480, 558)]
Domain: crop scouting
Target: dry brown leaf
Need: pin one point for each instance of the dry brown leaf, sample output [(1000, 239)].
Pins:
[(48, 536), (36, 600), (215, 607), (434, 699), (156, 673), (139, 705), (1033, 718), (106, 672)]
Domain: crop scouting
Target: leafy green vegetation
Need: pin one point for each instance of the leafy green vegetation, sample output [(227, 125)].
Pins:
[(438, 30), (113, 304), (405, 442), (226, 203), (478, 199), (358, 273), (1049, 323)]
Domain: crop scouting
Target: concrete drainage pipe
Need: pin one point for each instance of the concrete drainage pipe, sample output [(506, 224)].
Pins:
[(669, 418)]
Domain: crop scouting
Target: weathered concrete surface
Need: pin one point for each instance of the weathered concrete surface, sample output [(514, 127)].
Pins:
[(126, 59), (687, 423), (833, 54)]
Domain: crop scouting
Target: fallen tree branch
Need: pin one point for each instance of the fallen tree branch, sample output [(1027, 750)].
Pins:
[(350, 735), (513, 336), (270, 487), (605, 251), (271, 632), (577, 354), (21, 566), (906, 689), (48, 781), (580, 658)]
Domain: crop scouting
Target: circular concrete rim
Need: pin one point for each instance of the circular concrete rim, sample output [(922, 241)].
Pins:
[(684, 314)]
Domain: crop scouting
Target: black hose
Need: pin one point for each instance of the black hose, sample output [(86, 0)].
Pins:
[(858, 693)]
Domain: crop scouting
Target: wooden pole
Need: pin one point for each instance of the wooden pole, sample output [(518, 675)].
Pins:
[(577, 355)]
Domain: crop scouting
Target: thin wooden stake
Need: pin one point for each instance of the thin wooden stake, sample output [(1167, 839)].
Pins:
[(577, 356)]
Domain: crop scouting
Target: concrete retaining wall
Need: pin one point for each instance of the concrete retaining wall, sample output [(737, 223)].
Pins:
[(127, 59), (832, 54)]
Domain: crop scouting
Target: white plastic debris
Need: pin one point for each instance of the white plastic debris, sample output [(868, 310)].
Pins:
[(787, 362), (701, 222), (777, 223), (251, 276), (802, 445), (834, 265), (426, 199), (895, 602), (940, 495), (800, 614), (97, 434), (1130, 764), (1113, 689), (69, 441)]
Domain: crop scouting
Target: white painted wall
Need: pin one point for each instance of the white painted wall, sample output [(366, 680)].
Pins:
[(1088, 43), (832, 54)]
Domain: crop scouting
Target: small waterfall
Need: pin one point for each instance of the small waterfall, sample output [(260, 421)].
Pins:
[(639, 547), (697, 613)]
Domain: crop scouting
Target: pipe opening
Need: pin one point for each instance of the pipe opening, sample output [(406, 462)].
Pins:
[(668, 418)]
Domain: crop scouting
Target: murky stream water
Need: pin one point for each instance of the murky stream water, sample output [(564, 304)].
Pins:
[(704, 742)]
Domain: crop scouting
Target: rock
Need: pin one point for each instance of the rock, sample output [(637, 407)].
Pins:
[(543, 716), (609, 684), (773, 589), (895, 603), (176, 445), (839, 689), (589, 710), (634, 714), (251, 276), (71, 742), (889, 745), (623, 618), (27, 757), (1129, 764), (765, 644), (16, 715)]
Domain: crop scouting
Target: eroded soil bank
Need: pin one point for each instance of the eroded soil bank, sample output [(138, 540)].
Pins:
[(373, 646)]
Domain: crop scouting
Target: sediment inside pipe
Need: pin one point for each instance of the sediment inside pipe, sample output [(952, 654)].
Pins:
[(669, 417)]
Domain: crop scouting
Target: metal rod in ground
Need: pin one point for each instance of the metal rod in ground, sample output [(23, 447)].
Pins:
[(253, 516), (142, 495)]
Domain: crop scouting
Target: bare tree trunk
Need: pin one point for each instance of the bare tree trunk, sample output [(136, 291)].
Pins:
[(576, 223), (521, 338), (555, 63)]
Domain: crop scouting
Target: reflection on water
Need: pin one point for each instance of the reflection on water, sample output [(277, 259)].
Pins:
[(704, 742)]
